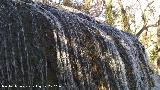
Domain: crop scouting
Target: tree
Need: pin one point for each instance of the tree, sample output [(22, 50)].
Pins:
[(108, 12), (124, 17), (158, 37), (145, 20)]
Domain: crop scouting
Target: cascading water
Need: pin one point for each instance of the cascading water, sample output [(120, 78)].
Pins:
[(45, 48)]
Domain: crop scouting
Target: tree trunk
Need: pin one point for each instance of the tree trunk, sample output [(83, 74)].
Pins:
[(109, 18), (125, 17), (158, 44), (158, 37)]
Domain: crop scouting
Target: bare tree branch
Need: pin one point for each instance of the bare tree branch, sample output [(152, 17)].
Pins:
[(145, 28)]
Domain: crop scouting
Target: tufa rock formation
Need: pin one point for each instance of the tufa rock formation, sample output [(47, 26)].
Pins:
[(57, 49)]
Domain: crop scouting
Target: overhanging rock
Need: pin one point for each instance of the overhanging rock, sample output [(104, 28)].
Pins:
[(56, 49)]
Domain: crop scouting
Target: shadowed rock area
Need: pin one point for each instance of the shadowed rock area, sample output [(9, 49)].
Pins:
[(57, 49)]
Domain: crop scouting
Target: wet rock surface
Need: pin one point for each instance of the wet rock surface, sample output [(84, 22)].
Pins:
[(47, 46)]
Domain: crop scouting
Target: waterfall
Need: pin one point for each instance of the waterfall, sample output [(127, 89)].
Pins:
[(48, 48)]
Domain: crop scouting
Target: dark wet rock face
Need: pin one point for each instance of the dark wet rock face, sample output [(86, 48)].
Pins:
[(42, 45)]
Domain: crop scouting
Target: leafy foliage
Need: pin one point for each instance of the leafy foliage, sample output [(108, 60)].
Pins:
[(153, 54)]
